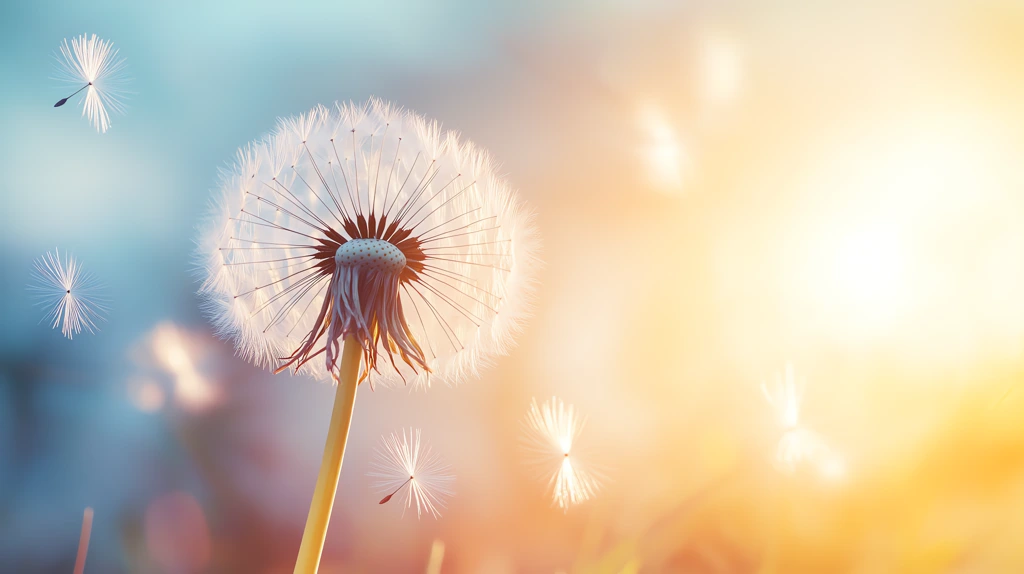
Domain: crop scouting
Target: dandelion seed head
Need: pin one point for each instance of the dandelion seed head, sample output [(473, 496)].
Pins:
[(71, 296), (552, 428), (93, 64), (407, 468), (367, 221)]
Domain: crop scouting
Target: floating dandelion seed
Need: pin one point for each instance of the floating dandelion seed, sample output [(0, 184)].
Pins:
[(70, 294), (92, 65), (407, 467), (552, 429), (364, 242), (798, 444), (785, 397)]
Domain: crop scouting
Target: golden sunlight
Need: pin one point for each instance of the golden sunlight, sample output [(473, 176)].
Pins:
[(910, 231), (868, 273)]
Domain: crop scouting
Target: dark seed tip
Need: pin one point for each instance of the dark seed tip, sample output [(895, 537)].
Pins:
[(60, 103)]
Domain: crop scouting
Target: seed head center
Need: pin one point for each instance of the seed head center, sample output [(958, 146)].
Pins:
[(376, 254)]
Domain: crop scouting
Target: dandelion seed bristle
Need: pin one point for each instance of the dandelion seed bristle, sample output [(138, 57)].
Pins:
[(798, 445), (552, 427), (71, 296), (406, 467), (93, 62)]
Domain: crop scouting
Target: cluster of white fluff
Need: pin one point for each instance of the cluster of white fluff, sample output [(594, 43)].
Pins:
[(328, 164)]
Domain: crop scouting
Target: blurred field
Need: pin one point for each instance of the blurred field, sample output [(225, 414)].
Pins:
[(721, 188)]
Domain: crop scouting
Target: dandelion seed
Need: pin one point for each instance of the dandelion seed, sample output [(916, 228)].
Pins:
[(551, 431), (92, 64), (785, 397), (407, 467), (798, 445), (70, 295), (364, 243)]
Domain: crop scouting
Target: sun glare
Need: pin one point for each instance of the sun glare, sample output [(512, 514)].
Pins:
[(909, 230), (869, 272)]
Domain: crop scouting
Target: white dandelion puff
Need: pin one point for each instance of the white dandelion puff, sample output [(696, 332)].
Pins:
[(367, 235), (370, 222), (406, 467), (71, 296), (551, 432), (92, 64)]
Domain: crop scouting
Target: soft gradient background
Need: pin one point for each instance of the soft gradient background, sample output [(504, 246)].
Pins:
[(722, 187)]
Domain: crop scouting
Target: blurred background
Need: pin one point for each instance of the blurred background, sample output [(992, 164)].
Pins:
[(722, 188)]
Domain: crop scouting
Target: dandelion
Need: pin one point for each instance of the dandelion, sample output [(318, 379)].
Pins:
[(69, 293), (407, 467), (364, 243), (92, 65), (552, 430)]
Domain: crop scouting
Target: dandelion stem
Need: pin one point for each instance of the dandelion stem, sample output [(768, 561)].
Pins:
[(436, 557), (320, 508), (63, 101), (83, 541)]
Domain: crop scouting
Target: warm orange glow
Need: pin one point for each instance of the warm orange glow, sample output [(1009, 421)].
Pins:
[(783, 279), (904, 230)]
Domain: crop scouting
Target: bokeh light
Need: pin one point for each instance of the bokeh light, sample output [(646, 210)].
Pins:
[(721, 189), (177, 534)]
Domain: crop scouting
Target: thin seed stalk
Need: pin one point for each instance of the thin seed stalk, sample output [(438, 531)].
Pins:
[(313, 536)]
